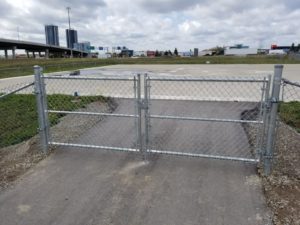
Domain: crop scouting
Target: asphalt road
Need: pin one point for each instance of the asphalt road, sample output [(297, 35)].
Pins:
[(80, 186)]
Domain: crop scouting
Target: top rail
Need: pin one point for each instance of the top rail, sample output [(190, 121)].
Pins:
[(89, 78), (17, 90), (210, 79)]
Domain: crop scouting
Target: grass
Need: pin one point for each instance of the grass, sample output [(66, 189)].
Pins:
[(19, 121), (290, 113), (22, 67)]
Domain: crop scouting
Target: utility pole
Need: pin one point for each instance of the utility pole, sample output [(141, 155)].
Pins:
[(18, 33), (69, 33)]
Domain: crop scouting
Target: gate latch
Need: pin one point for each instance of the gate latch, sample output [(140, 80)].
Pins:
[(143, 104)]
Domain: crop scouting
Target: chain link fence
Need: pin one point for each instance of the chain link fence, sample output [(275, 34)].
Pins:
[(18, 114), (214, 117), (287, 154)]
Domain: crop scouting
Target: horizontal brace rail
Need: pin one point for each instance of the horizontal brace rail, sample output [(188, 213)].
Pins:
[(89, 78), (204, 119), (258, 80), (94, 147), (203, 156), (92, 113), (285, 81), (17, 90)]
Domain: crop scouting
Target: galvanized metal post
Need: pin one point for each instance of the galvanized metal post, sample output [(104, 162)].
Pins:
[(274, 100), (135, 112), (265, 113), (146, 107), (140, 105), (45, 105), (40, 98)]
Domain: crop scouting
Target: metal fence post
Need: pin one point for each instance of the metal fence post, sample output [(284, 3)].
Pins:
[(146, 107), (265, 117), (136, 112), (140, 105), (40, 100), (274, 100)]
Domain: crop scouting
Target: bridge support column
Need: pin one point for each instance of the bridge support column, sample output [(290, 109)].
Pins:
[(27, 53), (33, 53), (6, 54), (47, 53), (14, 52)]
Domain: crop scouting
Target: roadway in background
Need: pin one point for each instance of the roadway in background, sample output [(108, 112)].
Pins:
[(290, 71)]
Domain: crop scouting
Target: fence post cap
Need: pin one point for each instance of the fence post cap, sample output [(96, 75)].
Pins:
[(278, 66)]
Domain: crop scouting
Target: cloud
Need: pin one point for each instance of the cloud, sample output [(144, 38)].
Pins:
[(5, 9), (166, 6), (157, 24)]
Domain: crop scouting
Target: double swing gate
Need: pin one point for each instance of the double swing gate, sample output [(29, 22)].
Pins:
[(210, 117)]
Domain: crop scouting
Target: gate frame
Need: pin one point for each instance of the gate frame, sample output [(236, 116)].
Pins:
[(263, 131), (44, 125), (269, 109)]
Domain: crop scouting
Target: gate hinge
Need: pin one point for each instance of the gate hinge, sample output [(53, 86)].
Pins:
[(268, 156), (274, 100), (267, 105)]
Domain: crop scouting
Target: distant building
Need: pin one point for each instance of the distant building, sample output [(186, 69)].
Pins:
[(83, 46), (277, 52), (196, 52), (284, 48), (139, 53), (186, 54), (206, 53), (238, 46), (240, 50), (150, 53), (51, 32), (73, 37), (126, 53)]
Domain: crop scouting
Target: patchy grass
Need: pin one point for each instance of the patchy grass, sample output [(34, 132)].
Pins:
[(290, 114), (19, 121), (22, 67)]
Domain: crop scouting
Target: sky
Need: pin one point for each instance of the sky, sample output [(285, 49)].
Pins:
[(156, 24)]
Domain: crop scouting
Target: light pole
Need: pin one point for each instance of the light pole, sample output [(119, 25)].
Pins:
[(69, 33), (18, 33)]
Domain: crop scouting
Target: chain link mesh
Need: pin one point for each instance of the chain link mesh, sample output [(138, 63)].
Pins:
[(18, 114), (91, 110), (223, 106), (287, 154)]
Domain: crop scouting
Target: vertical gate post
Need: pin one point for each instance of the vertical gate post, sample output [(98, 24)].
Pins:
[(140, 105), (146, 107), (136, 112), (274, 100), (265, 117), (40, 100)]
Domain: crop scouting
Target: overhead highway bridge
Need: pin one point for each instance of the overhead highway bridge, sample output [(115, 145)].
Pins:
[(37, 48)]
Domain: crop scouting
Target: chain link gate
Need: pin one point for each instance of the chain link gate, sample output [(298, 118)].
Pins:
[(208, 117), (99, 112)]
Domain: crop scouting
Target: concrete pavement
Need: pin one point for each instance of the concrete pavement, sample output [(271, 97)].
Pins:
[(291, 71)]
